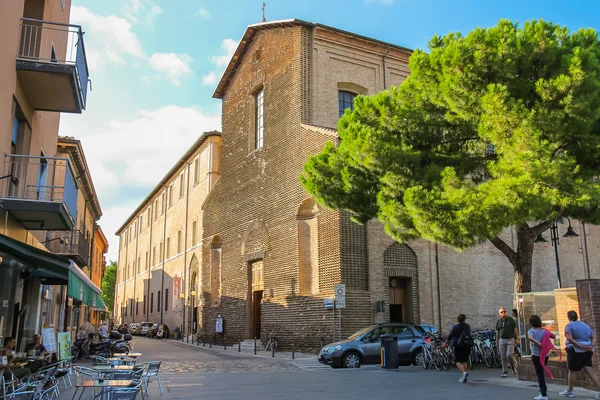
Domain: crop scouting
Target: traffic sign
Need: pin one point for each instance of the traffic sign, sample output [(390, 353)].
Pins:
[(328, 303), (340, 295)]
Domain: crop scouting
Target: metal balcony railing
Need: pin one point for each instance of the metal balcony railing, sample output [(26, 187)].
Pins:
[(72, 244), (58, 43), (41, 179)]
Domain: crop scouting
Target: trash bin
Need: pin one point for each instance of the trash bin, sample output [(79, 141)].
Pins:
[(389, 351), (177, 333)]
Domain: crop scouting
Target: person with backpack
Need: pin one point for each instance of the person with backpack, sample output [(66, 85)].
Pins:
[(461, 340), (507, 335)]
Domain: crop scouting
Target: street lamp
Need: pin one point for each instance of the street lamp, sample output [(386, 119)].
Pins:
[(193, 311), (555, 242)]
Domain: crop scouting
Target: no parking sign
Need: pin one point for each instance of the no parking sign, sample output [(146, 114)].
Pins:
[(340, 295)]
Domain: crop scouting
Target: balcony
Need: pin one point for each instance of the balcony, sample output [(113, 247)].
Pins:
[(71, 244), (39, 192), (52, 66)]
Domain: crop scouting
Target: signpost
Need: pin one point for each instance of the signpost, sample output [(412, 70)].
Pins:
[(49, 339), (340, 302)]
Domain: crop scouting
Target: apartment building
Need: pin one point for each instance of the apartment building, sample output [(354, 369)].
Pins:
[(44, 73), (160, 243)]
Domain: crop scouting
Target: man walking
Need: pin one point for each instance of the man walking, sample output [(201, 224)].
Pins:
[(506, 336)]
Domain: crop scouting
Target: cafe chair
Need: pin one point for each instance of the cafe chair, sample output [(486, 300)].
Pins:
[(151, 372), (7, 383), (124, 394)]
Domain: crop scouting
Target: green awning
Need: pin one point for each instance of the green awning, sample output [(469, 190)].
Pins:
[(50, 269), (82, 289)]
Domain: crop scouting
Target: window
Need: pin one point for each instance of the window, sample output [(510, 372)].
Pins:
[(194, 229), (158, 301), (164, 202), (170, 189), (151, 303), (215, 264), (160, 252), (133, 271), (179, 242), (166, 299), (155, 209), (197, 170), (181, 187), (154, 256), (259, 117), (149, 215), (137, 308), (139, 265), (345, 100), (146, 265), (168, 247), (145, 304)]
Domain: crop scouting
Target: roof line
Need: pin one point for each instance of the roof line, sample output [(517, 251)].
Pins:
[(195, 146), (250, 31)]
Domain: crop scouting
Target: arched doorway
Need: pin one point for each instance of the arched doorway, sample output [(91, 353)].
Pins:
[(194, 295), (400, 268)]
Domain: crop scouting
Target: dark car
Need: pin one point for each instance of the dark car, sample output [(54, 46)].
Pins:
[(159, 331), (364, 347)]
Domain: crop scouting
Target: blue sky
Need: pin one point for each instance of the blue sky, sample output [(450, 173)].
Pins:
[(154, 65)]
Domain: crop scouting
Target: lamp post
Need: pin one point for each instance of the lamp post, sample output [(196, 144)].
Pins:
[(182, 297), (555, 239)]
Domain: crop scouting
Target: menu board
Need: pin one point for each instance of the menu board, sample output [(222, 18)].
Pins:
[(64, 345), (49, 339)]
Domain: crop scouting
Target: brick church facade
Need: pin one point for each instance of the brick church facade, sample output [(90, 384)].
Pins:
[(270, 255)]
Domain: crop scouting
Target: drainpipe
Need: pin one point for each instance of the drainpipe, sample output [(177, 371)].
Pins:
[(135, 259), (585, 249), (384, 71), (150, 262), (162, 281), (439, 289), (187, 202)]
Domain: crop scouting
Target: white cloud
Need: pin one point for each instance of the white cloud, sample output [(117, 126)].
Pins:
[(149, 143), (173, 66), (210, 78), (228, 47), (110, 38), (145, 11)]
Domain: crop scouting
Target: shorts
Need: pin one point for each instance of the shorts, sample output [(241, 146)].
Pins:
[(461, 354), (576, 361)]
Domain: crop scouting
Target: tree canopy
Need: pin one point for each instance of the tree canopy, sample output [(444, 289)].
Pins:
[(109, 282), (496, 128)]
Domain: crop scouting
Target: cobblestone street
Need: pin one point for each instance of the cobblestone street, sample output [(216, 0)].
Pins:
[(192, 372)]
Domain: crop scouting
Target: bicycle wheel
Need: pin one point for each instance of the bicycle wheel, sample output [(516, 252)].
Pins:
[(437, 360), (426, 359), (488, 356)]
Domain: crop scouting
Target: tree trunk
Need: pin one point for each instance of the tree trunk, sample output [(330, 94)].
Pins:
[(524, 259)]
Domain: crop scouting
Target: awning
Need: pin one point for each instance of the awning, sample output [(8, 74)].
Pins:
[(50, 269), (81, 288)]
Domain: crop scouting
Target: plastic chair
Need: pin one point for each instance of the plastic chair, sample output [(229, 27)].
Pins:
[(151, 372)]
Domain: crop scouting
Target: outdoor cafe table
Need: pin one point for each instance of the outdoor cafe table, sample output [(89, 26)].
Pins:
[(108, 367), (103, 385), (127, 355)]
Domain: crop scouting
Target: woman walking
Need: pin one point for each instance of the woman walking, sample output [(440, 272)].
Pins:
[(461, 340), (540, 346)]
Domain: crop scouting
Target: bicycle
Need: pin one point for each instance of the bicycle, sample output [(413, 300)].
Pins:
[(271, 342)]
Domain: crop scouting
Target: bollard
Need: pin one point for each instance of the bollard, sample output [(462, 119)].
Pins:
[(254, 346), (224, 343), (203, 340), (240, 346), (210, 343), (321, 341), (192, 338), (293, 352), (272, 348), (198, 340)]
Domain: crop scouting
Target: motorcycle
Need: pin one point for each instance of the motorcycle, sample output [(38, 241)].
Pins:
[(104, 348)]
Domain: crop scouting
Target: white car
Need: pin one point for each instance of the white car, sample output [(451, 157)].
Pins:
[(144, 328)]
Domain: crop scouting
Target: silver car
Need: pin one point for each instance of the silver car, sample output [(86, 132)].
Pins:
[(364, 347)]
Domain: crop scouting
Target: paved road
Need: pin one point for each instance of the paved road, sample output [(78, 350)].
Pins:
[(189, 372)]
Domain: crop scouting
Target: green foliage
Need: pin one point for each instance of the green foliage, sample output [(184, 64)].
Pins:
[(109, 281), (417, 156)]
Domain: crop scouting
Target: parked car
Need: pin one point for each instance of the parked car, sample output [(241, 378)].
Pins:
[(133, 327), (159, 331), (427, 329), (364, 346), (143, 328)]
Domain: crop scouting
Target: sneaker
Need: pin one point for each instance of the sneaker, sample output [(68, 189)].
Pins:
[(567, 393), (504, 375), (461, 380), (540, 397), (465, 377)]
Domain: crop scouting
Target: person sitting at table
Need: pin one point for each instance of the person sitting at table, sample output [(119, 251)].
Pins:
[(8, 350), (36, 349)]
